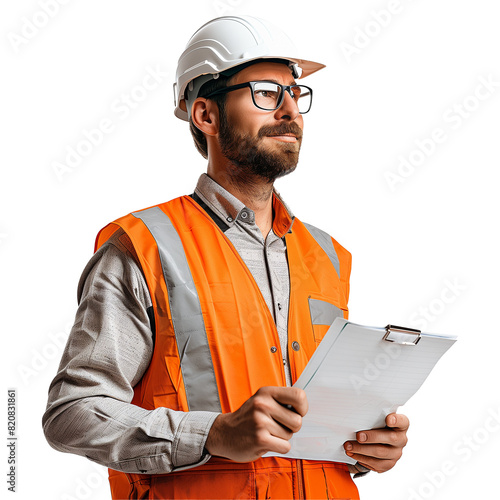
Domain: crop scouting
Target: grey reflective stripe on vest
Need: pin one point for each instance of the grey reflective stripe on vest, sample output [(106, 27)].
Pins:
[(192, 343), (324, 240), (323, 313)]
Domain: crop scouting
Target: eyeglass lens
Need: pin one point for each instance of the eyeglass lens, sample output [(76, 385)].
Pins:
[(267, 95)]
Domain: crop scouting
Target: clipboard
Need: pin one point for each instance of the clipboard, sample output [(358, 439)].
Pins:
[(355, 378)]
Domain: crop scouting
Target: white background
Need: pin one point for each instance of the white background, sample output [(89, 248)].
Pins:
[(432, 237)]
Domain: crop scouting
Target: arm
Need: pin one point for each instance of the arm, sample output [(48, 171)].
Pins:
[(89, 410)]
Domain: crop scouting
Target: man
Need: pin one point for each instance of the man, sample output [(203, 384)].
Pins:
[(196, 315)]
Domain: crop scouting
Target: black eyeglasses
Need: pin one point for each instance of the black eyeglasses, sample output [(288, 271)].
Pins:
[(269, 96)]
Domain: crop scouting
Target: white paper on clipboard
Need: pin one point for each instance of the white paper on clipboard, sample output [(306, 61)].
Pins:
[(355, 378)]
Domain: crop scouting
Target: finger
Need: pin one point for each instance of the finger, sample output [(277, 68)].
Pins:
[(292, 396), (396, 420), (378, 451), (278, 430), (386, 436), (276, 445), (290, 419)]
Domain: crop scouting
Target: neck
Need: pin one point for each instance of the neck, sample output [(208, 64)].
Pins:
[(255, 194)]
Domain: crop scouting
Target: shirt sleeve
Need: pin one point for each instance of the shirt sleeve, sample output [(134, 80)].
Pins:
[(89, 410), (358, 470)]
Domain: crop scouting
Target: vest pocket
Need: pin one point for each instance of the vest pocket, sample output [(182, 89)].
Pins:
[(323, 314)]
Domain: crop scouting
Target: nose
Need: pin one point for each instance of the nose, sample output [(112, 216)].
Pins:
[(289, 109)]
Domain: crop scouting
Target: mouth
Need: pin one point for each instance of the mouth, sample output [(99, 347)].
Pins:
[(284, 137)]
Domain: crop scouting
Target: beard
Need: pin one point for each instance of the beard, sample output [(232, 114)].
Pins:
[(251, 159)]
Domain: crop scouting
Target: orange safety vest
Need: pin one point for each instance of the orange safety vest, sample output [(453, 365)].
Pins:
[(216, 342)]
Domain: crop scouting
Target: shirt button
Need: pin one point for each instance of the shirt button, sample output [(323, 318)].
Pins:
[(229, 219), (244, 215), (295, 345), (274, 349)]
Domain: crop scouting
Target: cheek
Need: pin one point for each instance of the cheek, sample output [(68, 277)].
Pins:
[(243, 115), (245, 122), (239, 106)]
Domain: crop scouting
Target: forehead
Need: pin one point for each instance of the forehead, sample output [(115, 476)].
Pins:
[(264, 71)]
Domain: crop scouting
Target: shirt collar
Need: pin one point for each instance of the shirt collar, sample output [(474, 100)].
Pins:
[(232, 210)]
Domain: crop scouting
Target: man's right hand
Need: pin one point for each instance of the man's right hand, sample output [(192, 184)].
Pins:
[(263, 423)]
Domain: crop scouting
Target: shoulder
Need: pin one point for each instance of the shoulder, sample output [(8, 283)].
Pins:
[(326, 241), (114, 266)]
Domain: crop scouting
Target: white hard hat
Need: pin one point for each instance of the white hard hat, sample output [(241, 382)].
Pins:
[(227, 42)]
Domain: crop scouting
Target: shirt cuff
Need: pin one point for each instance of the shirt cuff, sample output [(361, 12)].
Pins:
[(189, 443), (358, 470)]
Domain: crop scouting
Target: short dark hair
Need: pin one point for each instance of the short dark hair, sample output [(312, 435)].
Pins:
[(199, 138)]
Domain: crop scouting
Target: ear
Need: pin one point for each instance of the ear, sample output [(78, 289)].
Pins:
[(205, 115)]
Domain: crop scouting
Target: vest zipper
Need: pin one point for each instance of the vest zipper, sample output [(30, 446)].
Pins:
[(300, 480)]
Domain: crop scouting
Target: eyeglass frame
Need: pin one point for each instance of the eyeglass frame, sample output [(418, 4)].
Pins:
[(250, 85)]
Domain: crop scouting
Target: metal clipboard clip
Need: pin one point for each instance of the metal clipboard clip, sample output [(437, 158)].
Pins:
[(402, 335)]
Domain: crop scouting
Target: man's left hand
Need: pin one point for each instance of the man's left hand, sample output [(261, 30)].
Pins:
[(380, 449)]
